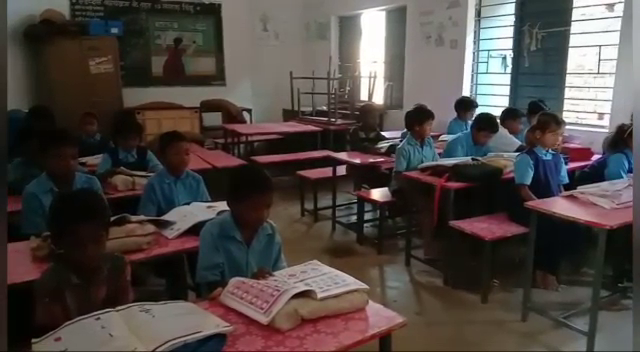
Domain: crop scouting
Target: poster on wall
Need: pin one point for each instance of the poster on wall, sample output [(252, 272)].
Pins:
[(164, 43)]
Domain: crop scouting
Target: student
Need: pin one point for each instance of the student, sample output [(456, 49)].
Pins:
[(616, 163), (127, 152), (174, 185), (40, 117), (92, 142), (28, 166), (474, 142), (505, 141), (242, 242), (541, 173), (418, 147), (366, 135), (534, 108), (465, 108), (59, 150), (83, 278), (405, 133)]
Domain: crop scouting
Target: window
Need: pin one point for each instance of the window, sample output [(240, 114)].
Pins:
[(374, 43), (591, 62), (571, 63)]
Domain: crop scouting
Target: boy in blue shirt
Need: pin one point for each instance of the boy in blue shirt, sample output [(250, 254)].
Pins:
[(127, 152), (616, 163), (534, 108), (174, 185), (241, 242), (28, 166), (405, 133), (465, 108), (60, 152), (474, 142), (92, 142)]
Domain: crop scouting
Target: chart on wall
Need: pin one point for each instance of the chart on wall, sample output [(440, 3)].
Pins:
[(164, 43)]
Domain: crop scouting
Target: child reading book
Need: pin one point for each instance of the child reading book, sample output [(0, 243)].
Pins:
[(92, 142), (83, 278), (241, 242)]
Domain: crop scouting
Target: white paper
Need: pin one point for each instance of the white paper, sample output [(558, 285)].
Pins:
[(182, 218), (128, 172), (503, 155), (446, 137), (444, 162), (325, 281), (91, 160), (384, 145), (609, 195)]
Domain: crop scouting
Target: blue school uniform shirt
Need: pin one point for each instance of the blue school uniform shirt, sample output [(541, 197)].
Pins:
[(38, 195), (411, 154), (404, 135), (528, 169), (20, 173), (224, 255), (153, 165), (619, 165), (523, 132), (458, 125), (165, 192), (462, 146)]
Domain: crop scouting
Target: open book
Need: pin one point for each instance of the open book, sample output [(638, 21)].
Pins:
[(127, 172), (160, 326), (180, 219), (93, 160), (261, 300), (609, 195)]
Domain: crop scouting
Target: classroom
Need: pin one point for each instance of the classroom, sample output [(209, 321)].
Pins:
[(327, 175)]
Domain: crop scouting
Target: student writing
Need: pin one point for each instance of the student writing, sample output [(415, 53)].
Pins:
[(506, 141), (241, 242), (83, 278), (473, 143), (59, 149), (465, 108), (616, 163)]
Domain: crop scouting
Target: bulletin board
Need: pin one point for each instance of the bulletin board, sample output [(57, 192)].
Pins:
[(164, 43)]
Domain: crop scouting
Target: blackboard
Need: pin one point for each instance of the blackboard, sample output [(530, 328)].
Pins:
[(164, 43)]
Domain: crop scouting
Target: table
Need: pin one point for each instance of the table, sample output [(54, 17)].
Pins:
[(339, 333), (237, 131), (216, 158), (602, 221), (197, 163), (21, 268), (351, 158), (342, 126), (14, 204)]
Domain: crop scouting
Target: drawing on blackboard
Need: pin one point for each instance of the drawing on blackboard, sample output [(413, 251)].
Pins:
[(164, 43)]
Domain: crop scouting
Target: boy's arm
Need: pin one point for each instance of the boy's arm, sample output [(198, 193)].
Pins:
[(33, 217), (148, 205), (104, 170), (279, 262), (203, 193), (617, 167), (210, 268), (523, 174), (153, 162), (454, 149)]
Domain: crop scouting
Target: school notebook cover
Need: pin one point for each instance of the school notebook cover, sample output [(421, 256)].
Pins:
[(157, 326)]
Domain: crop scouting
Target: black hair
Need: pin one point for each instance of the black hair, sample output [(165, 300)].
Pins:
[(89, 115), (619, 140), (417, 116), (247, 181), (56, 139), (177, 41), (464, 104), (167, 139), (511, 114), (77, 207), (127, 125), (40, 115), (536, 106), (485, 122), (547, 121)]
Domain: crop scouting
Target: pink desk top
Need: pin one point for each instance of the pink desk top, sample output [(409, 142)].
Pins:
[(21, 267), (326, 121), (270, 128), (574, 209), (357, 158), (197, 164), (327, 125), (14, 204), (216, 158), (339, 333)]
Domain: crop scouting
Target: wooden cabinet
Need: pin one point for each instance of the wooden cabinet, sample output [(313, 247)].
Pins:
[(80, 74)]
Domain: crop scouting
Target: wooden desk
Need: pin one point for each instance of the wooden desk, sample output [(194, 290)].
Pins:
[(602, 221), (14, 203), (197, 163), (216, 158), (237, 131), (22, 268), (338, 333)]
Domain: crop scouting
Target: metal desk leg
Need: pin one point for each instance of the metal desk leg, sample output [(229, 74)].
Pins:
[(334, 191), (319, 140), (301, 190), (528, 275), (595, 291), (384, 343)]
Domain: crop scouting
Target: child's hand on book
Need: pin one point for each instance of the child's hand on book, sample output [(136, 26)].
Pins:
[(261, 274)]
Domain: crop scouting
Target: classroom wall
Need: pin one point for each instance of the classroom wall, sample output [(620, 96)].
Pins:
[(256, 73)]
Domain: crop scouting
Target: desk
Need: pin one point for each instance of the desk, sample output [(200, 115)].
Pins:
[(339, 333), (237, 131), (338, 126), (355, 159), (14, 203), (197, 163), (602, 221), (22, 268), (216, 158)]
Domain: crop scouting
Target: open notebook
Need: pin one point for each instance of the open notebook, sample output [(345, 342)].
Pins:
[(609, 195), (159, 326), (261, 300), (180, 219)]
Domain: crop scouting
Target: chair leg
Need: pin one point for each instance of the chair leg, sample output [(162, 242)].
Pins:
[(382, 220), (360, 221), (407, 241), (301, 190), (315, 201), (487, 274)]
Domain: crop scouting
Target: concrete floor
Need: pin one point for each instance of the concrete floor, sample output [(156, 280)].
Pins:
[(439, 318)]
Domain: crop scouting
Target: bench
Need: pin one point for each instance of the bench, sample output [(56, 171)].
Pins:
[(313, 177), (291, 157), (381, 198), (488, 229)]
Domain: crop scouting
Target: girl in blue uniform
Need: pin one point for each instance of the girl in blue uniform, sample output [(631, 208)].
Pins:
[(541, 173), (616, 163)]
